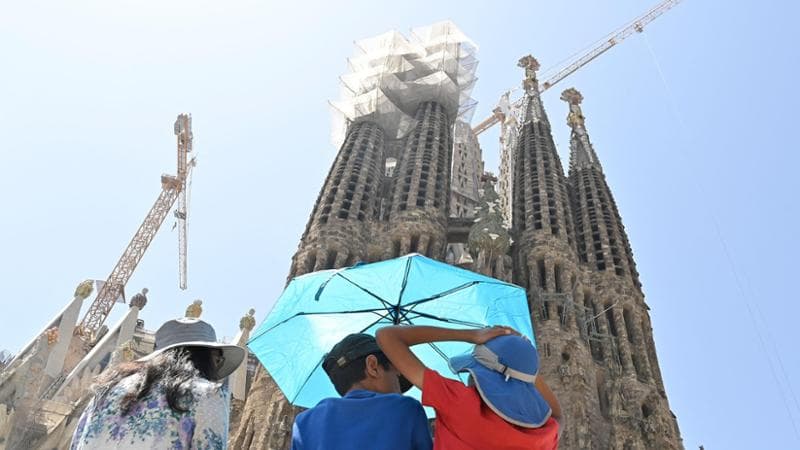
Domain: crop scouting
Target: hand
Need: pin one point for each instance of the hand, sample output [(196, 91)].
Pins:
[(485, 335)]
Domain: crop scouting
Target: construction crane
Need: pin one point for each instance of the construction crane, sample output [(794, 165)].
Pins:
[(636, 26), (172, 188)]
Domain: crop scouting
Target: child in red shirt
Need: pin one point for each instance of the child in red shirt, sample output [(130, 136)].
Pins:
[(505, 407)]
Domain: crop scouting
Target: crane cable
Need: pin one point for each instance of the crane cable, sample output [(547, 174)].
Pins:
[(728, 256)]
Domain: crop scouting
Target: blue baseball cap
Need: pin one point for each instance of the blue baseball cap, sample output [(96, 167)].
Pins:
[(504, 370)]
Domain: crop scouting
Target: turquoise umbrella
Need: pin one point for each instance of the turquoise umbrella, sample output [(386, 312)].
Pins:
[(318, 309)]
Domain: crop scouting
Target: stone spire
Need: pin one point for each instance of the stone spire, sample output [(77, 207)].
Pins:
[(600, 235), (581, 151), (338, 232), (618, 323), (546, 264), (534, 109), (339, 227), (540, 202), (238, 379)]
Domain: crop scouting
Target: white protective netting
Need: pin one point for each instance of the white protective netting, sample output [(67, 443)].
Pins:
[(390, 75)]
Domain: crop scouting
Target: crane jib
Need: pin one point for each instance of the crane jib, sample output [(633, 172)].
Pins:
[(637, 25)]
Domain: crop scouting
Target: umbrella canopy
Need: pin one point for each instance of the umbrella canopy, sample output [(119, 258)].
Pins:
[(319, 309)]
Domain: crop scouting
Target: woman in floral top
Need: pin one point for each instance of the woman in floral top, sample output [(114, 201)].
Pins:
[(175, 398)]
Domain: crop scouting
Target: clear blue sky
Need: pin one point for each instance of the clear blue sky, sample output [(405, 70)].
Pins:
[(89, 91)]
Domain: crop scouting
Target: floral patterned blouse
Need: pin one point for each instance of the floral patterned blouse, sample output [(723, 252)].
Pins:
[(151, 423)]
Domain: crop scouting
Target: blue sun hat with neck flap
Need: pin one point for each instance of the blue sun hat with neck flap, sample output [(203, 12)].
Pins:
[(504, 370)]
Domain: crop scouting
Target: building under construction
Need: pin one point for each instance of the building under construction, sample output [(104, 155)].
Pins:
[(409, 177)]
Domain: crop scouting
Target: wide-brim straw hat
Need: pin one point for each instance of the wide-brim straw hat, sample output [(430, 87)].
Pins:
[(191, 332)]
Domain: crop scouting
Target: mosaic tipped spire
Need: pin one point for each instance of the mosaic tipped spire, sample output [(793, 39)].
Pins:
[(534, 109), (581, 152)]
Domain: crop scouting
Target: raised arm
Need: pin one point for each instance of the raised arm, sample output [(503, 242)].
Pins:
[(396, 342)]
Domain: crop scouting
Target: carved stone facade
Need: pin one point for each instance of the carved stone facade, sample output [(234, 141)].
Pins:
[(567, 246), (339, 229), (417, 222), (633, 400), (467, 172)]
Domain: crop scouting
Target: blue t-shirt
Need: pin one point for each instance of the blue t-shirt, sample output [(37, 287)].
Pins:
[(363, 420)]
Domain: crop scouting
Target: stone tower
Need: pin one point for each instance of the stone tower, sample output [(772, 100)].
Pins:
[(388, 191), (631, 400), (546, 264), (392, 189), (421, 186), (339, 227)]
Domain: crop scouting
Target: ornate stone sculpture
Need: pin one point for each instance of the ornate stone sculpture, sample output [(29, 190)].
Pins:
[(248, 322), (195, 309), (139, 300), (124, 353), (531, 65), (51, 335), (574, 98), (488, 239), (84, 289)]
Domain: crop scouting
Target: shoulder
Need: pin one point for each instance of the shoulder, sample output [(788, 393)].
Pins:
[(404, 402), (106, 396), (306, 414), (205, 388), (434, 381), (209, 394), (128, 383), (396, 407), (398, 403), (440, 392), (319, 408)]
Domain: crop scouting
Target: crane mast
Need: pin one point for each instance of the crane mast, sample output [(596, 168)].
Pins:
[(637, 25), (172, 187), (183, 131)]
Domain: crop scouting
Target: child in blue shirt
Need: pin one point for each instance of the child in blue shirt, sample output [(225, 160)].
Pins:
[(371, 414)]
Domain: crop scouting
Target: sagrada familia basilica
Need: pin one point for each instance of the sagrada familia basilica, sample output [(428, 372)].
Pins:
[(409, 177)]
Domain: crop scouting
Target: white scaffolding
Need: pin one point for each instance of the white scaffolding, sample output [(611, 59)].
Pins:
[(390, 75)]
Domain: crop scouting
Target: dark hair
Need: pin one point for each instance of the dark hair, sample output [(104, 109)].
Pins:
[(343, 378), (174, 369)]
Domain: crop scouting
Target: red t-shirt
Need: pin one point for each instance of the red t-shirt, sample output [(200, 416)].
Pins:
[(463, 421)]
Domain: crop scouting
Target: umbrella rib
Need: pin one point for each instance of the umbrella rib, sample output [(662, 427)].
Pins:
[(405, 281), (385, 303), (325, 284), (435, 347), (455, 289), (375, 310), (442, 294), (311, 373), (442, 319), (305, 382), (384, 316), (439, 351)]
